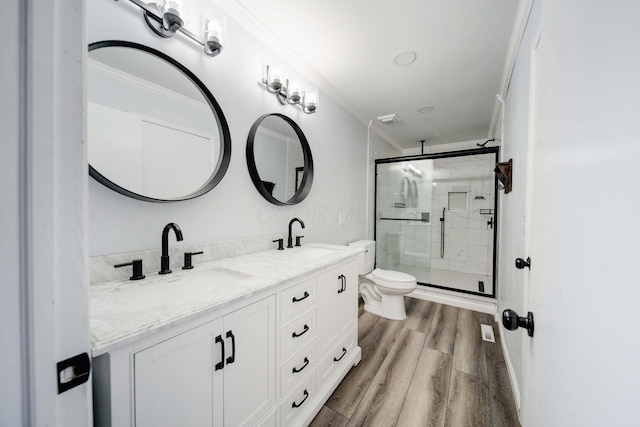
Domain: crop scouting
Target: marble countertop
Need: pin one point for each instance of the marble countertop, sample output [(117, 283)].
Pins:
[(122, 312)]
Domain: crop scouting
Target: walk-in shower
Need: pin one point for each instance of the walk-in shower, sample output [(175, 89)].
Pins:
[(436, 218)]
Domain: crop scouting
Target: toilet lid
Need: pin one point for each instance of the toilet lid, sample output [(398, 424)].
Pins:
[(393, 276)]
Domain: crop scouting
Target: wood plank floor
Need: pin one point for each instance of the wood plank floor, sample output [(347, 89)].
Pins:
[(431, 369)]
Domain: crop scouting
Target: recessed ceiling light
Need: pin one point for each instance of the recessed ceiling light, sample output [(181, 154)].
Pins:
[(404, 58), (426, 109)]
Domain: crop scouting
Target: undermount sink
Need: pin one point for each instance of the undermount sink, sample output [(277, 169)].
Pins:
[(177, 287), (313, 252)]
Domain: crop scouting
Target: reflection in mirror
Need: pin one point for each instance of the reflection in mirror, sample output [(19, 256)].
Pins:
[(279, 159), (155, 131)]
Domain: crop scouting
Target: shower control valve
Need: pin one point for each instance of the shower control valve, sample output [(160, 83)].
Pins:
[(520, 263)]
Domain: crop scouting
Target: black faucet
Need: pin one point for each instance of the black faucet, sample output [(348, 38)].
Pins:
[(290, 239), (164, 259)]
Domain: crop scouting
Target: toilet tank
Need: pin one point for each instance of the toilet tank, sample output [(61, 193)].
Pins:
[(367, 259)]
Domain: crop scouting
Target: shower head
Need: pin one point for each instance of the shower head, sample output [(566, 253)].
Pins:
[(486, 142)]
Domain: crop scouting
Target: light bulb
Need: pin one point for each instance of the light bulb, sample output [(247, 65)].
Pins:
[(294, 93), (311, 100), (212, 38), (171, 15), (275, 78)]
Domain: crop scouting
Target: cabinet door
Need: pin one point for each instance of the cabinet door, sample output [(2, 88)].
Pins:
[(250, 375), (347, 300), (337, 309), (174, 380)]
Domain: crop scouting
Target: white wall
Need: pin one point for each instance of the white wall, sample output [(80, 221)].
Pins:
[(581, 367), (234, 209)]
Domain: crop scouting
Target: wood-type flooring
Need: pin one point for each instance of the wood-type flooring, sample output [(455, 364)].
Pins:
[(431, 369)]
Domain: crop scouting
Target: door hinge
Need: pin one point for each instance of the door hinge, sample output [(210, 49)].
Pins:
[(73, 372)]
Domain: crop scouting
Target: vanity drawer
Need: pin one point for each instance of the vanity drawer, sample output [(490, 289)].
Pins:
[(337, 357), (297, 367), (297, 299), (297, 333), (298, 400)]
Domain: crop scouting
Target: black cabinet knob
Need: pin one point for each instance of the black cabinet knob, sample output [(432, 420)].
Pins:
[(520, 263), (512, 321)]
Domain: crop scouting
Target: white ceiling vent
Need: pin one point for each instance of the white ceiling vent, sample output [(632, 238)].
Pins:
[(389, 119)]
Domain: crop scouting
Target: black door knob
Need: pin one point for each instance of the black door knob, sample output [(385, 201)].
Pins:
[(520, 263), (512, 321)]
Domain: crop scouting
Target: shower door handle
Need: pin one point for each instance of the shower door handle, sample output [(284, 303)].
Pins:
[(490, 223)]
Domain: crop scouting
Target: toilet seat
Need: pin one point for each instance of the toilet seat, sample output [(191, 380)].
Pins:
[(393, 279)]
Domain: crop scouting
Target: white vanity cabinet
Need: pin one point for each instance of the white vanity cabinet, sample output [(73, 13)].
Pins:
[(219, 373), (270, 358)]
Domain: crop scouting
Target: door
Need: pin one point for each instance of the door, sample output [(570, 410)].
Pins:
[(435, 219), (337, 305), (250, 375), (582, 363), (43, 292), (173, 380)]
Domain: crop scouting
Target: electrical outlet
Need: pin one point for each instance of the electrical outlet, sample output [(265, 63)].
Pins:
[(341, 218)]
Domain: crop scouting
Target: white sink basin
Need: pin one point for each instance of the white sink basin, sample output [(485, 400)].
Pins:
[(313, 252), (178, 288)]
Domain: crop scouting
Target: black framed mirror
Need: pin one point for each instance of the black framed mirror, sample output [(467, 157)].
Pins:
[(279, 160), (155, 131)]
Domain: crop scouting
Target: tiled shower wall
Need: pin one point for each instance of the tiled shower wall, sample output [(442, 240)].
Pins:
[(468, 237)]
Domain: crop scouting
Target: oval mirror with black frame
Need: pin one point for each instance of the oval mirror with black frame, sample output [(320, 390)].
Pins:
[(279, 160), (155, 131)]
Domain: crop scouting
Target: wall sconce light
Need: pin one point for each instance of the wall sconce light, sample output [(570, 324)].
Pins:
[(290, 92), (166, 20)]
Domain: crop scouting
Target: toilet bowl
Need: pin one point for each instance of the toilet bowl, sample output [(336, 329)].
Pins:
[(383, 291)]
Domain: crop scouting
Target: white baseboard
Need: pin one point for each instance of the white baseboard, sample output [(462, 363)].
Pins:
[(490, 307), (511, 371)]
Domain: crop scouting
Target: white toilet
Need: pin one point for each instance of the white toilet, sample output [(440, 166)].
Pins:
[(383, 291)]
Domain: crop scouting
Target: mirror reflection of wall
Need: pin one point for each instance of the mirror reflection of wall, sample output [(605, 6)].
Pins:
[(151, 130), (278, 153)]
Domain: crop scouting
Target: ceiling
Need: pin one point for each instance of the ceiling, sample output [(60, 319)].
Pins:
[(461, 47)]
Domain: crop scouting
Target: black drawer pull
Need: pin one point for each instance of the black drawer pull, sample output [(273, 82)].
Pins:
[(296, 370), (297, 405), (306, 295), (344, 351), (220, 364), (296, 335), (343, 283), (231, 358)]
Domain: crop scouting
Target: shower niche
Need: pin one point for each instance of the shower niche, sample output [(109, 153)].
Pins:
[(435, 219)]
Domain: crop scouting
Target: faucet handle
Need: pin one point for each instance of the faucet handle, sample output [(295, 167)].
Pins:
[(137, 269), (280, 243), (187, 260), (298, 240)]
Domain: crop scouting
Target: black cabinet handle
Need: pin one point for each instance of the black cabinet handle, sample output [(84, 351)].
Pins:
[(343, 283), (296, 370), (231, 358), (344, 351), (306, 295), (297, 405), (220, 364), (296, 335)]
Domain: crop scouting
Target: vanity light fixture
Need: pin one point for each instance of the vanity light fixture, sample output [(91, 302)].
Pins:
[(165, 20), (290, 92)]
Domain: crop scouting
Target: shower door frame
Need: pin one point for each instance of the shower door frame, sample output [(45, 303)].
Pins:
[(433, 156)]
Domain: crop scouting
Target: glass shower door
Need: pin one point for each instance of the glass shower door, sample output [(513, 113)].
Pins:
[(435, 219)]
